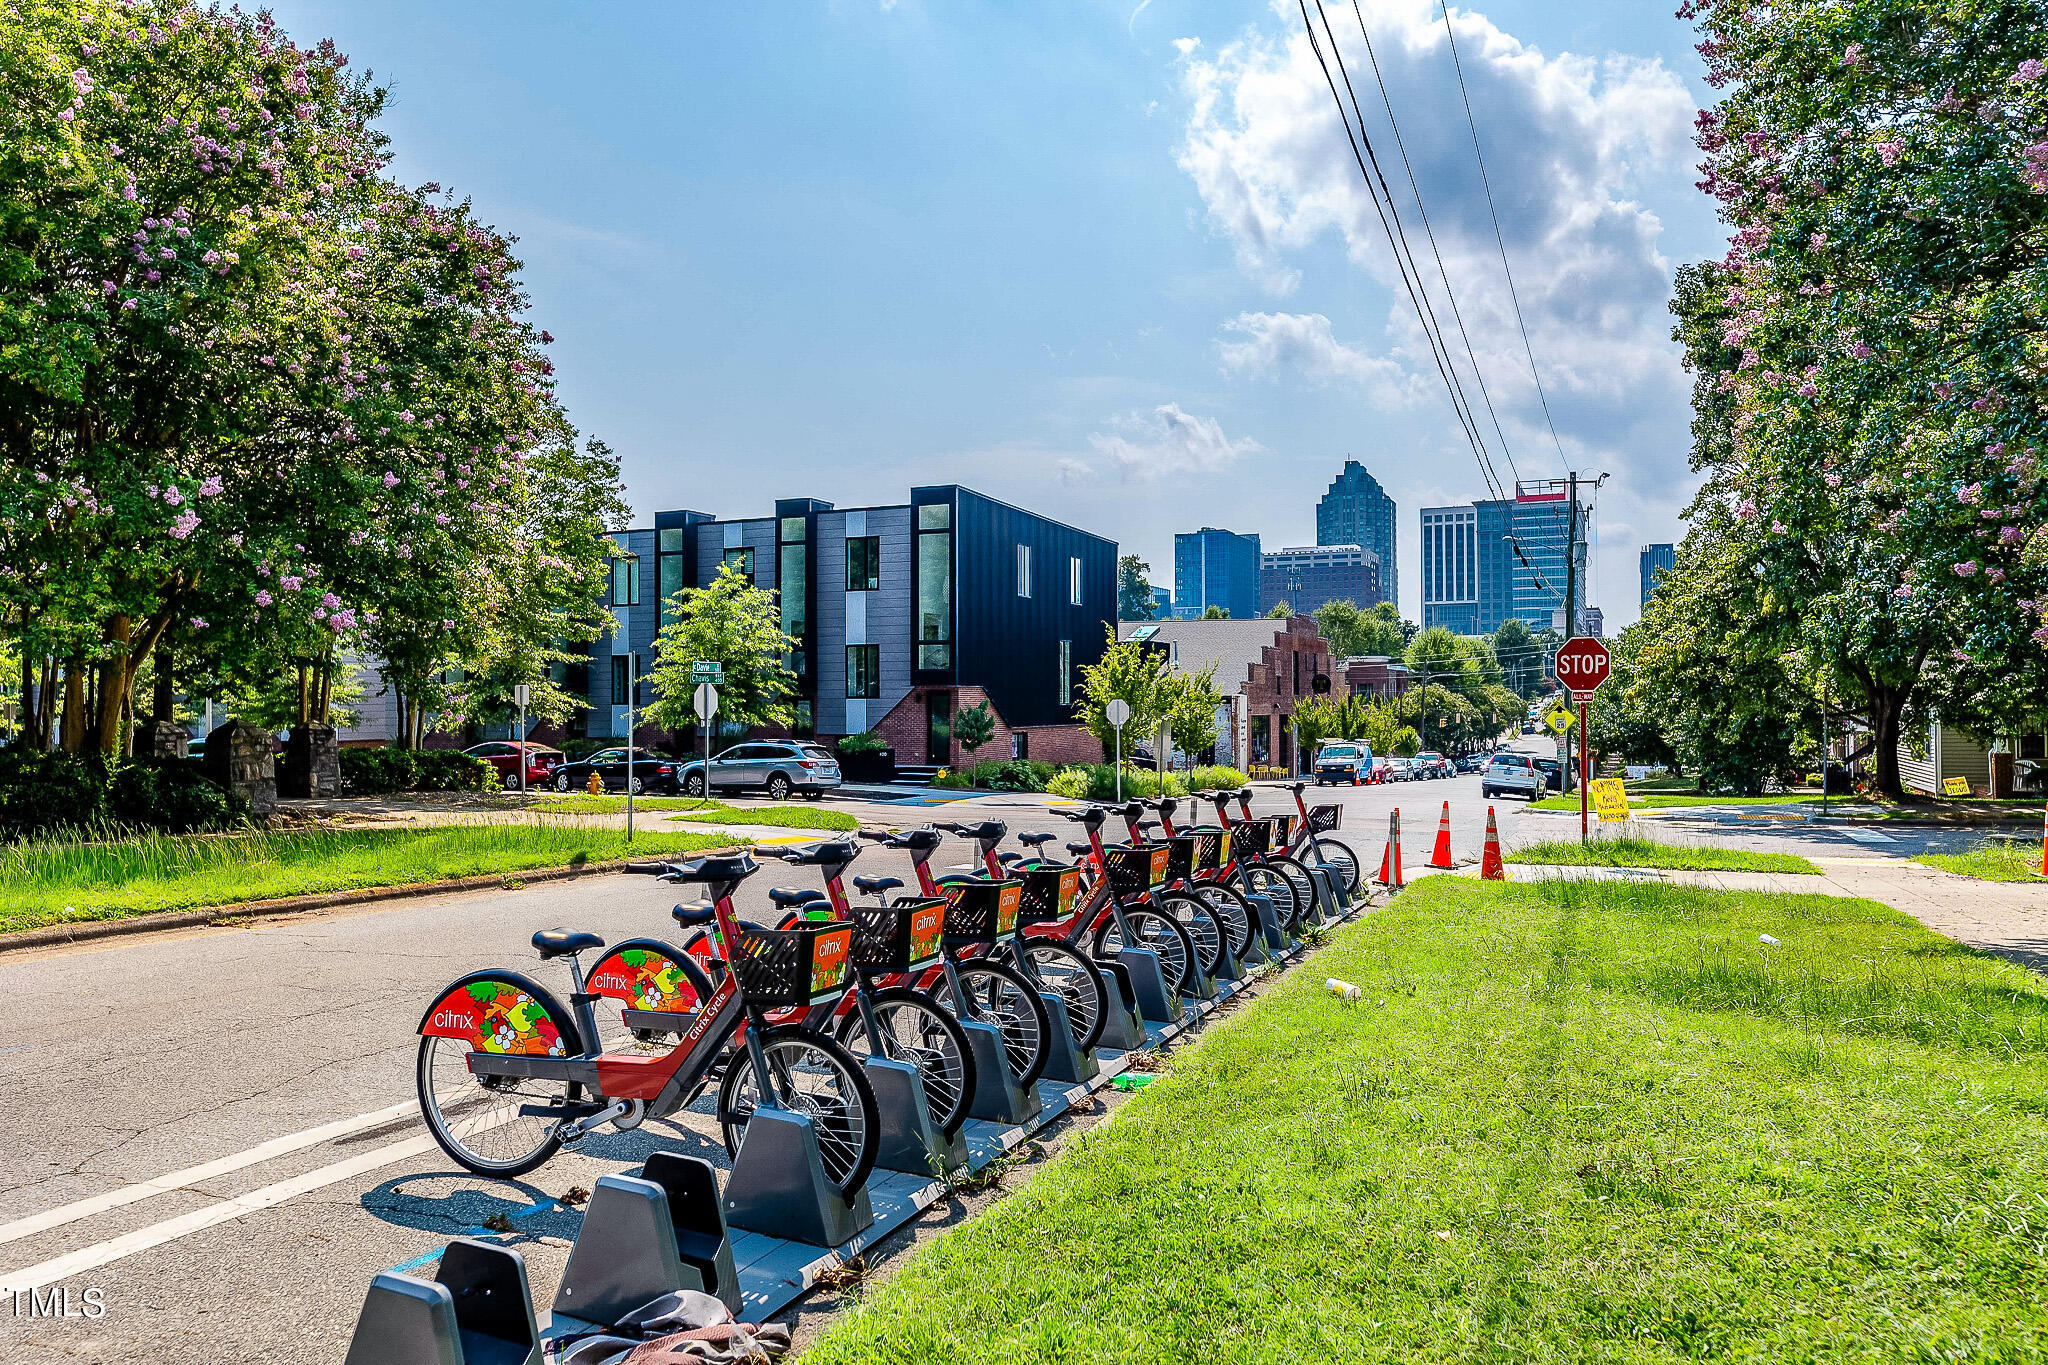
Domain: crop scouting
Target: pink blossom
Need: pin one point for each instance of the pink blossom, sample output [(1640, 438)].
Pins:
[(173, 496), (1852, 55), (199, 623), (211, 488), (1902, 591), (185, 525), (263, 597), (128, 305), (1860, 351), (2010, 535), (405, 415), (2030, 71), (1995, 574), (1966, 568), (390, 479), (1995, 449), (329, 601), (440, 518), (108, 286), (1970, 493), (447, 623), (291, 582), (1747, 509), (1890, 151), (1817, 240)]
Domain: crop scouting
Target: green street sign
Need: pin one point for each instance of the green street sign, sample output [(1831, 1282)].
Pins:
[(707, 671)]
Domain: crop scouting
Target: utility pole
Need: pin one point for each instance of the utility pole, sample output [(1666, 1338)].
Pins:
[(1571, 588)]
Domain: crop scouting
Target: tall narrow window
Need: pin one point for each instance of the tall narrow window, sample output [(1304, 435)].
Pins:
[(625, 580), (741, 558), (1066, 673), (864, 671), (1074, 581), (863, 563), (1023, 571), (934, 586), (793, 588), (621, 666), (672, 567)]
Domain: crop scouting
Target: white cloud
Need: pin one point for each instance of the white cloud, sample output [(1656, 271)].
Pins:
[(1161, 443), (1570, 143), (1303, 344)]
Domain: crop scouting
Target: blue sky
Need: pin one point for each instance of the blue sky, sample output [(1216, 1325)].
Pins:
[(1106, 260)]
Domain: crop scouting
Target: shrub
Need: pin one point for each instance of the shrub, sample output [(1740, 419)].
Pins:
[(451, 770), (373, 772), (866, 742), (42, 791), (954, 781), (1216, 777), (1012, 775), (1141, 783), (1072, 783), (173, 795)]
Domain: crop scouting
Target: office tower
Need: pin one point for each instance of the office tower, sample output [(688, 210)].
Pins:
[(1357, 511), (1216, 568), (1656, 559), (1306, 576)]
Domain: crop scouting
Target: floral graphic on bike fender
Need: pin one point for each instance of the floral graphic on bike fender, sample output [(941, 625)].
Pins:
[(645, 979), (495, 1016)]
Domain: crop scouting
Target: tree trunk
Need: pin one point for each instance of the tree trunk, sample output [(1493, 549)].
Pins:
[(113, 686), (302, 713), (1887, 705), (163, 705), (46, 714), (30, 723), (74, 705)]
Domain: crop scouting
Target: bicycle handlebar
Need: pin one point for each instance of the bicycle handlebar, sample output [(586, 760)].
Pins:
[(646, 869)]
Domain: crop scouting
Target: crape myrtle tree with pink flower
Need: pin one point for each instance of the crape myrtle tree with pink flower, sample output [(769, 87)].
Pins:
[(1871, 358), (262, 405)]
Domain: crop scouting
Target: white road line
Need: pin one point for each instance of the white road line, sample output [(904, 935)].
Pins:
[(226, 1211), (193, 1175)]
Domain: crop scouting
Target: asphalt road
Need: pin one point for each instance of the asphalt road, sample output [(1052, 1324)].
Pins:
[(214, 1128)]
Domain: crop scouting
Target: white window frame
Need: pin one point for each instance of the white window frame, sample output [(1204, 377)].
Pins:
[(1074, 581), (1023, 571)]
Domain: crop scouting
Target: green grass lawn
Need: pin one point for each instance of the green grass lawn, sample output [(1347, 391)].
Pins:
[(1632, 850), (38, 881), (1567, 1121), (1667, 800), (1991, 862), (693, 810)]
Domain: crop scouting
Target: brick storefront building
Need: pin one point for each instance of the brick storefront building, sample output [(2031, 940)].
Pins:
[(1263, 667)]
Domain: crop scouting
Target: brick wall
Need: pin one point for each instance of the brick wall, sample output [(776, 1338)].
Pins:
[(903, 728), (1283, 675)]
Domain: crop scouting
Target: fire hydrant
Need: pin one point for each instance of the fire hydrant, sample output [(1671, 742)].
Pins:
[(596, 787)]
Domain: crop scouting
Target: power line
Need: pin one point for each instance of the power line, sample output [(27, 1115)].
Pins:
[(1499, 240), (1388, 215)]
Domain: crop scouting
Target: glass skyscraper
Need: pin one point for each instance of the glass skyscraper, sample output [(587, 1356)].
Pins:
[(1474, 578), (1656, 559), (1216, 568), (1357, 511)]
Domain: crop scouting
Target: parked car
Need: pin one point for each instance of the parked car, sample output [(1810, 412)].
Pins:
[(1400, 770), (1342, 761), (652, 772), (1470, 763), (503, 755), (1552, 770), (1511, 774), (1381, 769), (777, 766), (1431, 764)]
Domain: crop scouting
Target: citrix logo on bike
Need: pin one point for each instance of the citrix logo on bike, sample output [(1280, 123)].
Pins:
[(828, 959), (495, 1016)]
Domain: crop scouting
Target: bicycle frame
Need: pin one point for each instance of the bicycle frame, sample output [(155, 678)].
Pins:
[(664, 1082), (1099, 903)]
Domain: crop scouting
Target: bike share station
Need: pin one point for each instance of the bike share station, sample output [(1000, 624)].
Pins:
[(764, 1239)]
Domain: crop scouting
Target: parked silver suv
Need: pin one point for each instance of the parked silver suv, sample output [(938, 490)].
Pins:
[(1514, 774)]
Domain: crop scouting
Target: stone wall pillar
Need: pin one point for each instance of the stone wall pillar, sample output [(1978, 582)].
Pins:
[(164, 739), (238, 757), (312, 762)]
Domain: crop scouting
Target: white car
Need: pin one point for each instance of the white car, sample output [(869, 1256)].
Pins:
[(1514, 774)]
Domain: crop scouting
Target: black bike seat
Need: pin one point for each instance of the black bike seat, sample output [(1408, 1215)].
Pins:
[(1148, 824), (559, 942), (1080, 850), (1297, 787), (1034, 840), (687, 915), (785, 898), (875, 886), (1008, 857), (990, 830), (728, 867)]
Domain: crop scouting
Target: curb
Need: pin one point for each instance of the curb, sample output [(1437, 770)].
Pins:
[(50, 935)]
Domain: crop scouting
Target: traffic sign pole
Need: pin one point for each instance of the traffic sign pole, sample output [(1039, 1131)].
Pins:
[(705, 702), (1583, 664), (1584, 826)]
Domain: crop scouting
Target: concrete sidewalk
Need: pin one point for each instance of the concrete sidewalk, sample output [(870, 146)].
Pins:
[(2007, 918)]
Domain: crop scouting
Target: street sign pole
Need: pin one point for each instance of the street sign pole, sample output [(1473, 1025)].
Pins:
[(519, 694), (1118, 714), (632, 695), (705, 702), (1584, 828)]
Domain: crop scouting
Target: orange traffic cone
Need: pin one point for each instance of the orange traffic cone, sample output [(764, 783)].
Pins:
[(1490, 866), (1390, 861), (1441, 856)]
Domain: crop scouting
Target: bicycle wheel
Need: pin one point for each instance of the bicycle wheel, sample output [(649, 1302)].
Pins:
[(812, 1075), (999, 994), (1161, 933), (915, 1030), (1337, 854), (1232, 912), (1261, 880), (1300, 878), (1201, 924), (1060, 966), (476, 1119)]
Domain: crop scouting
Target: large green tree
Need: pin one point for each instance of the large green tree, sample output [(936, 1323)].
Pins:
[(739, 626), (1133, 589), (1871, 357)]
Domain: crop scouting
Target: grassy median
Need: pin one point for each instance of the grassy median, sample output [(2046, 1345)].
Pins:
[(1634, 850), (694, 811), (1567, 1121), (1991, 862), (51, 883)]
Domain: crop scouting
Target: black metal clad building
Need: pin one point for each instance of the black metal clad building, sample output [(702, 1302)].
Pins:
[(1009, 601)]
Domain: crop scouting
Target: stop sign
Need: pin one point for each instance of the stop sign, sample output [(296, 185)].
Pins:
[(1583, 664)]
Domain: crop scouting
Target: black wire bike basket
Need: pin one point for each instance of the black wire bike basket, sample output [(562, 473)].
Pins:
[(898, 938), (1324, 819), (1212, 847), (1135, 869), (1048, 893), (1248, 838), (1180, 856), (980, 910), (778, 968)]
